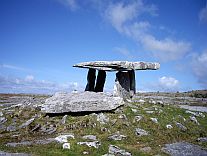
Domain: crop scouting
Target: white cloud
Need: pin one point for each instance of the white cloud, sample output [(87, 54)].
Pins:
[(164, 83), (124, 18), (199, 66), (31, 85), (165, 49), (123, 51), (168, 83), (72, 4), (8, 66), (29, 78), (203, 14)]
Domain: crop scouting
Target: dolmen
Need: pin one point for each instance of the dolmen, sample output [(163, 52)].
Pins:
[(93, 99)]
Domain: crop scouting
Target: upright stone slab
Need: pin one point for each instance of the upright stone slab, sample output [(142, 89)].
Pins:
[(132, 83), (101, 78), (122, 83), (91, 78)]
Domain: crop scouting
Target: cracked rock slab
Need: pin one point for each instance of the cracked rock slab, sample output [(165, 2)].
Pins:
[(184, 149), (81, 102)]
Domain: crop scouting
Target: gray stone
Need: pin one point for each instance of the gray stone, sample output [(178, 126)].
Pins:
[(102, 118), (94, 144), (101, 78), (63, 120), (145, 149), (149, 112), (117, 136), (184, 149), (13, 154), (137, 118), (169, 126), (66, 145), (132, 83), (118, 151), (2, 120), (27, 123), (193, 119), (122, 116), (1, 114), (204, 139), (2, 127), (29, 143), (81, 102), (154, 120), (90, 137), (181, 127), (118, 65), (91, 78), (64, 138), (11, 128), (140, 132), (122, 83), (36, 127)]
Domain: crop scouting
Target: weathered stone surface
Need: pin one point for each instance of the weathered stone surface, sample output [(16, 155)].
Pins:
[(94, 144), (118, 65), (118, 151), (117, 136), (29, 143), (204, 139), (12, 154), (102, 118), (64, 138), (2, 120), (154, 120), (66, 145), (181, 127), (140, 132), (132, 83), (90, 137), (122, 83), (168, 126), (101, 78), (184, 149), (27, 123), (91, 78), (80, 102)]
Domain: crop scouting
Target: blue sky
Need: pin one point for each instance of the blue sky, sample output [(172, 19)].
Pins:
[(40, 40)]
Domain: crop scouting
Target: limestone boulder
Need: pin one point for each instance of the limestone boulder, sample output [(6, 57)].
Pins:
[(81, 102)]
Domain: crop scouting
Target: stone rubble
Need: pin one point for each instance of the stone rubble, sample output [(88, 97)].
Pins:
[(94, 144), (118, 151), (193, 119), (66, 145), (64, 138), (169, 126), (181, 127), (117, 136), (140, 132), (90, 137), (89, 102), (184, 149), (102, 118), (154, 120)]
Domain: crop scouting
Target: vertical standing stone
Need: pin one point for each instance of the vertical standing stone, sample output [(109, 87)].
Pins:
[(132, 83), (91, 78), (101, 78), (122, 83)]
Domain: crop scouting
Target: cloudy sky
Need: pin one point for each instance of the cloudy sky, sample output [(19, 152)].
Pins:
[(40, 40)]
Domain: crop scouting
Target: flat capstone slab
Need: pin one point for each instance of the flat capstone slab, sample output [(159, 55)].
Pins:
[(184, 149), (119, 65), (81, 102)]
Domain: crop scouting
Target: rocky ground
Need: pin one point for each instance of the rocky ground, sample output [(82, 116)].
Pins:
[(151, 124)]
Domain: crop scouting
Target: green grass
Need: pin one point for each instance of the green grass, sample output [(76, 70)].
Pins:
[(84, 125)]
